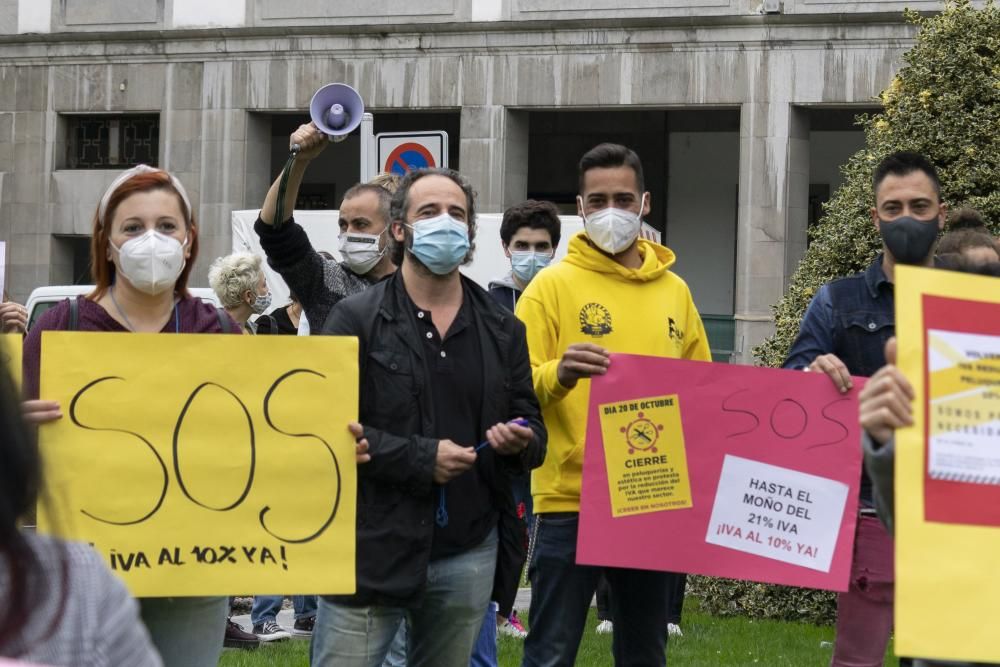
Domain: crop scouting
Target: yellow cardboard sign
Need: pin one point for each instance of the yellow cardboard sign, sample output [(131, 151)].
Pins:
[(645, 457), (205, 464), (948, 466), (10, 355)]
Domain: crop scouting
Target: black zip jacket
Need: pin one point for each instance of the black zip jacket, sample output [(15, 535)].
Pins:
[(396, 499)]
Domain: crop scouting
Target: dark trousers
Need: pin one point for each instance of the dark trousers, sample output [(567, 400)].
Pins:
[(675, 597), (676, 585), (561, 592)]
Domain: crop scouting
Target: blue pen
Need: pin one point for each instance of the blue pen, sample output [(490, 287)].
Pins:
[(485, 443), (441, 515)]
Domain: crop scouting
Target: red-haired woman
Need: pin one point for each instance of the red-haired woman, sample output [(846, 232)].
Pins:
[(144, 244)]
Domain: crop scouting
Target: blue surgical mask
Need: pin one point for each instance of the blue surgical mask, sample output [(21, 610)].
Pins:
[(526, 263), (440, 243)]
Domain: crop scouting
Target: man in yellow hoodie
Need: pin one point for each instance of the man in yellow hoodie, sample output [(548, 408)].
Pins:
[(613, 293)]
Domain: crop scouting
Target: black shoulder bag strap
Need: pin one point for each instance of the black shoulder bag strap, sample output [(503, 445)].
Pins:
[(223, 320), (74, 314)]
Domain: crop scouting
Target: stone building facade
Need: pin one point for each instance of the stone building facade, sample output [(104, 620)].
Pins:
[(740, 109)]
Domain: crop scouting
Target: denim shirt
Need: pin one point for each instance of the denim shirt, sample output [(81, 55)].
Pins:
[(852, 318)]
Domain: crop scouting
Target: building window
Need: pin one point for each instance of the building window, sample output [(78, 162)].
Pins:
[(112, 142)]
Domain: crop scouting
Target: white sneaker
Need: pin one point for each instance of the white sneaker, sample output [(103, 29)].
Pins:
[(269, 631), (511, 630), (605, 628), (674, 630)]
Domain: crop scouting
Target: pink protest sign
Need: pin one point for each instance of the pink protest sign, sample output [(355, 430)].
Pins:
[(729, 471)]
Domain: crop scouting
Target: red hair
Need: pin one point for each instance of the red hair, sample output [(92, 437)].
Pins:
[(102, 269)]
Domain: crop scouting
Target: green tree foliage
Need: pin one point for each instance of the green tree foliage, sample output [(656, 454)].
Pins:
[(944, 103)]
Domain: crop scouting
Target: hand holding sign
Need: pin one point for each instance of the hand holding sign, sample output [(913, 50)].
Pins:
[(834, 368), (13, 317), (580, 361), (361, 454), (886, 402)]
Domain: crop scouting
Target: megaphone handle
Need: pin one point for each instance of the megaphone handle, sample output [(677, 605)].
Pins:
[(279, 207)]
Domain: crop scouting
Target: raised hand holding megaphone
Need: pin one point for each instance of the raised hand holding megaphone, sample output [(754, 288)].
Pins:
[(336, 110), (307, 142)]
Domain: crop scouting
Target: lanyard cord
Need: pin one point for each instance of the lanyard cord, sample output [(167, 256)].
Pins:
[(441, 515), (177, 315)]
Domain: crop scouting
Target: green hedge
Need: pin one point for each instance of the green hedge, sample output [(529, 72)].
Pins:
[(728, 597), (944, 103)]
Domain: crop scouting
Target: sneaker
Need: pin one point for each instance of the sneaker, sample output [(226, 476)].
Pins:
[(304, 626), (237, 637), (512, 628), (674, 630), (516, 622), (270, 631), (605, 628)]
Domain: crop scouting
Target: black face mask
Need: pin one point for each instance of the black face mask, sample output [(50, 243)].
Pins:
[(909, 239)]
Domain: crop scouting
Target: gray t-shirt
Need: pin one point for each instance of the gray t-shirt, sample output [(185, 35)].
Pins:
[(81, 615)]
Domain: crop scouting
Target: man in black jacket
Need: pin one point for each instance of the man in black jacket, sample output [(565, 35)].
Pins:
[(444, 376)]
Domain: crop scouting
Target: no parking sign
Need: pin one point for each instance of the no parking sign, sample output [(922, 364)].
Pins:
[(400, 152)]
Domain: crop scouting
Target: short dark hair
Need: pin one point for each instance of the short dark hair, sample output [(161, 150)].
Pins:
[(956, 241), (902, 163), (607, 155), (401, 202), (966, 218), (532, 214), (383, 194)]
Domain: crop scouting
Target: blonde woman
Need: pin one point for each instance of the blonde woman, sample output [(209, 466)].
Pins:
[(238, 281)]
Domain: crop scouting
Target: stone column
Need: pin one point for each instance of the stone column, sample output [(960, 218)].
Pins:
[(208, 142), (494, 155), (25, 143), (774, 189)]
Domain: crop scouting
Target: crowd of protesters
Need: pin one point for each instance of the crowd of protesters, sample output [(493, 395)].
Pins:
[(445, 529)]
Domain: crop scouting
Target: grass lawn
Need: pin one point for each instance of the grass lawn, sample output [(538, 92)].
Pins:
[(707, 642)]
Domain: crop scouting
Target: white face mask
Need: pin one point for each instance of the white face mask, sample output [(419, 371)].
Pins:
[(361, 251), (612, 229), (151, 262)]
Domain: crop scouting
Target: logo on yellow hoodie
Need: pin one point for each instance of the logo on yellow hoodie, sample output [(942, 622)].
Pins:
[(676, 333), (595, 320)]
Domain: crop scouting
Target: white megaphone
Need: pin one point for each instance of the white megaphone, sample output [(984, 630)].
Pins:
[(336, 109)]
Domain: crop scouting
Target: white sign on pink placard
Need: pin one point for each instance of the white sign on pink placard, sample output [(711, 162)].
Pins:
[(777, 513)]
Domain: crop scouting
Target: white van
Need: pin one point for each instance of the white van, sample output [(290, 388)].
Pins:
[(43, 298)]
